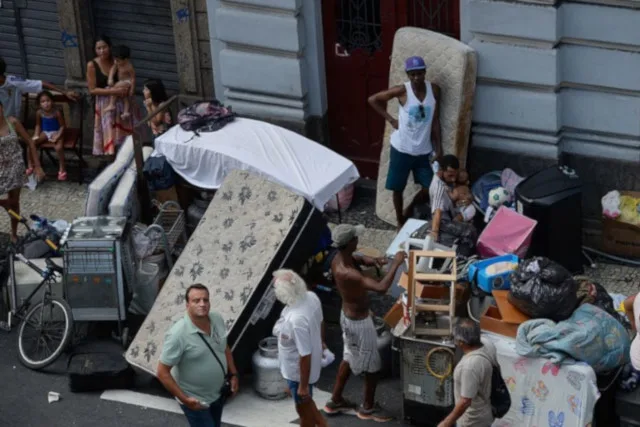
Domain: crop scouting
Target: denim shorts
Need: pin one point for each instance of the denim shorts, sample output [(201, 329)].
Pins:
[(293, 387)]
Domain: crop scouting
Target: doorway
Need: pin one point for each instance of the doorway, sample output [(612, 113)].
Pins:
[(358, 39)]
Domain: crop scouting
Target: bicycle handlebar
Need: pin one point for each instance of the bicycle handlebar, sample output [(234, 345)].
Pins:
[(22, 220)]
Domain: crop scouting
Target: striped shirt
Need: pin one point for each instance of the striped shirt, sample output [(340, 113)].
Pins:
[(440, 199)]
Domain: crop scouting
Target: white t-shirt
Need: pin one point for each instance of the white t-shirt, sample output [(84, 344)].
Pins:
[(299, 332), (11, 93)]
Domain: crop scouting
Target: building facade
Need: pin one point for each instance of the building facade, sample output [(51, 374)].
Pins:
[(558, 82)]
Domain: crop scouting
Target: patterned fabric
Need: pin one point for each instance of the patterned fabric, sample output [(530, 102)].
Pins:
[(230, 253), (544, 394), (590, 335), (360, 344), (12, 170), (109, 129)]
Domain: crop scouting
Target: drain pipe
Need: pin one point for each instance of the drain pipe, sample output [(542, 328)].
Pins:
[(627, 261)]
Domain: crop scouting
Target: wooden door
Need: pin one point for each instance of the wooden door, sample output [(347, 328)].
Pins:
[(358, 37)]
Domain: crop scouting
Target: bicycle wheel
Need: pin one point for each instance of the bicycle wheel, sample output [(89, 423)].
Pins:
[(44, 333)]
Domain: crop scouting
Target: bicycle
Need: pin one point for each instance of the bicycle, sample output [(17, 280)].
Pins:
[(50, 328)]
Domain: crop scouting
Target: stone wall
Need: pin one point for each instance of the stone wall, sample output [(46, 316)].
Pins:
[(557, 81), (268, 60)]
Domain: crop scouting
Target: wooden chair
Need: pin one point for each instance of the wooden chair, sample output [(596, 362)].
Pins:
[(73, 113)]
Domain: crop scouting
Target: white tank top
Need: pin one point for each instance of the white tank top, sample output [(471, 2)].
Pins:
[(415, 118)]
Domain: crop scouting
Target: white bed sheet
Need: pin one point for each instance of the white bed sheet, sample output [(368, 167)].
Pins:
[(274, 153), (541, 395)]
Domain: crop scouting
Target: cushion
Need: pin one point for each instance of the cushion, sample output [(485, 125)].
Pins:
[(124, 201)]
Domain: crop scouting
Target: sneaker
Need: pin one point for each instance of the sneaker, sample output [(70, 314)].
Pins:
[(376, 414), (333, 408)]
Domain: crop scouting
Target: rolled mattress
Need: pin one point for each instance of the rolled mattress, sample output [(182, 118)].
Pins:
[(452, 66), (251, 228)]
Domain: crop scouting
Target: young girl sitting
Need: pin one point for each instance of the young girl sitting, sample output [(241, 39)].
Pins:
[(50, 128), (122, 74), (154, 95)]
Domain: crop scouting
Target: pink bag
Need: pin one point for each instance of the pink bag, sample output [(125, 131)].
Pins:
[(344, 196), (507, 233)]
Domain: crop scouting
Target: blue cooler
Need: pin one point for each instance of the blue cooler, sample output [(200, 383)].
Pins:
[(489, 281)]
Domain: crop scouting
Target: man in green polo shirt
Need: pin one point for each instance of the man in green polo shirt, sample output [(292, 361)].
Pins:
[(188, 367)]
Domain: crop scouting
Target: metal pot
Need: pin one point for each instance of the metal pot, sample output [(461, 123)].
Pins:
[(384, 345), (267, 379)]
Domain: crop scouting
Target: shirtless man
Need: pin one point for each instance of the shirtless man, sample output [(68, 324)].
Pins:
[(358, 331)]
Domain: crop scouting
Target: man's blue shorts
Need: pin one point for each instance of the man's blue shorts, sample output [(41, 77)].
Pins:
[(293, 388), (401, 164)]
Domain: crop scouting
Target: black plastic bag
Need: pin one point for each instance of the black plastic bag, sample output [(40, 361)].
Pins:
[(544, 289)]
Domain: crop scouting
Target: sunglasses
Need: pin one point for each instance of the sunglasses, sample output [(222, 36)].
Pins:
[(421, 108)]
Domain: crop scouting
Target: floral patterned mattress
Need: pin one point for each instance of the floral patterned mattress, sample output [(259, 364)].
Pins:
[(252, 228)]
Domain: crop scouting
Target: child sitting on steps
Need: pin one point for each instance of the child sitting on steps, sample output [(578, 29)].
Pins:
[(50, 128), (122, 74)]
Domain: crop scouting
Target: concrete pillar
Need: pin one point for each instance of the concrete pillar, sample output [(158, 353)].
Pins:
[(77, 37)]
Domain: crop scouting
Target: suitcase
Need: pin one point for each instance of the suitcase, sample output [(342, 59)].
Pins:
[(99, 371)]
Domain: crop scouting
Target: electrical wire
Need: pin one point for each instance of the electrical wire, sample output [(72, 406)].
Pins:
[(449, 369)]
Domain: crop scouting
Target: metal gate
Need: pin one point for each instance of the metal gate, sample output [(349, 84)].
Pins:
[(145, 26), (30, 40), (442, 16)]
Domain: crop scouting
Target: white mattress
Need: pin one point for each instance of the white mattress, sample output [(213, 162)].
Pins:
[(124, 201), (287, 158), (251, 228), (452, 66), (103, 186)]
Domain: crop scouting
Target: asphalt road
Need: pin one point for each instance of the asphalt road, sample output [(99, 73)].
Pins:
[(23, 401)]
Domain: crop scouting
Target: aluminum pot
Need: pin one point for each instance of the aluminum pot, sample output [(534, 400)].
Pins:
[(267, 379)]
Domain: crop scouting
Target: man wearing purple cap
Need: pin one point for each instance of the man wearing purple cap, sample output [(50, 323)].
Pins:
[(417, 139)]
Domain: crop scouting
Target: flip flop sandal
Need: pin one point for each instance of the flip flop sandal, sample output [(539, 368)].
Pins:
[(29, 171), (62, 176)]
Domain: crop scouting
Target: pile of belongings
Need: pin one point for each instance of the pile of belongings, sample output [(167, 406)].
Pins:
[(571, 318)]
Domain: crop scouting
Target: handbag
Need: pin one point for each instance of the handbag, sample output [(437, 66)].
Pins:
[(225, 390)]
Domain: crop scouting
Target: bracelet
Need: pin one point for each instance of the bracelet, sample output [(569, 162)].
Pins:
[(231, 374)]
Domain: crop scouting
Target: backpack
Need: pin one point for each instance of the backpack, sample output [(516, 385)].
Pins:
[(205, 116), (500, 397)]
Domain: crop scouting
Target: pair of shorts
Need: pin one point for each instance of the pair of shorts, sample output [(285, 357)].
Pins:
[(49, 133), (360, 345), (401, 164), (293, 388)]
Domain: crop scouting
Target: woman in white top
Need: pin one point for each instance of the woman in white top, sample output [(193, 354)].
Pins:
[(632, 309), (417, 137)]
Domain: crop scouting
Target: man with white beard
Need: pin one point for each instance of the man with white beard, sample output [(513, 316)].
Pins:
[(299, 332)]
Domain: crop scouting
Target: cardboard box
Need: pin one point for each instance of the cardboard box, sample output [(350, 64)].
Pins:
[(394, 315), (620, 238), (492, 321)]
